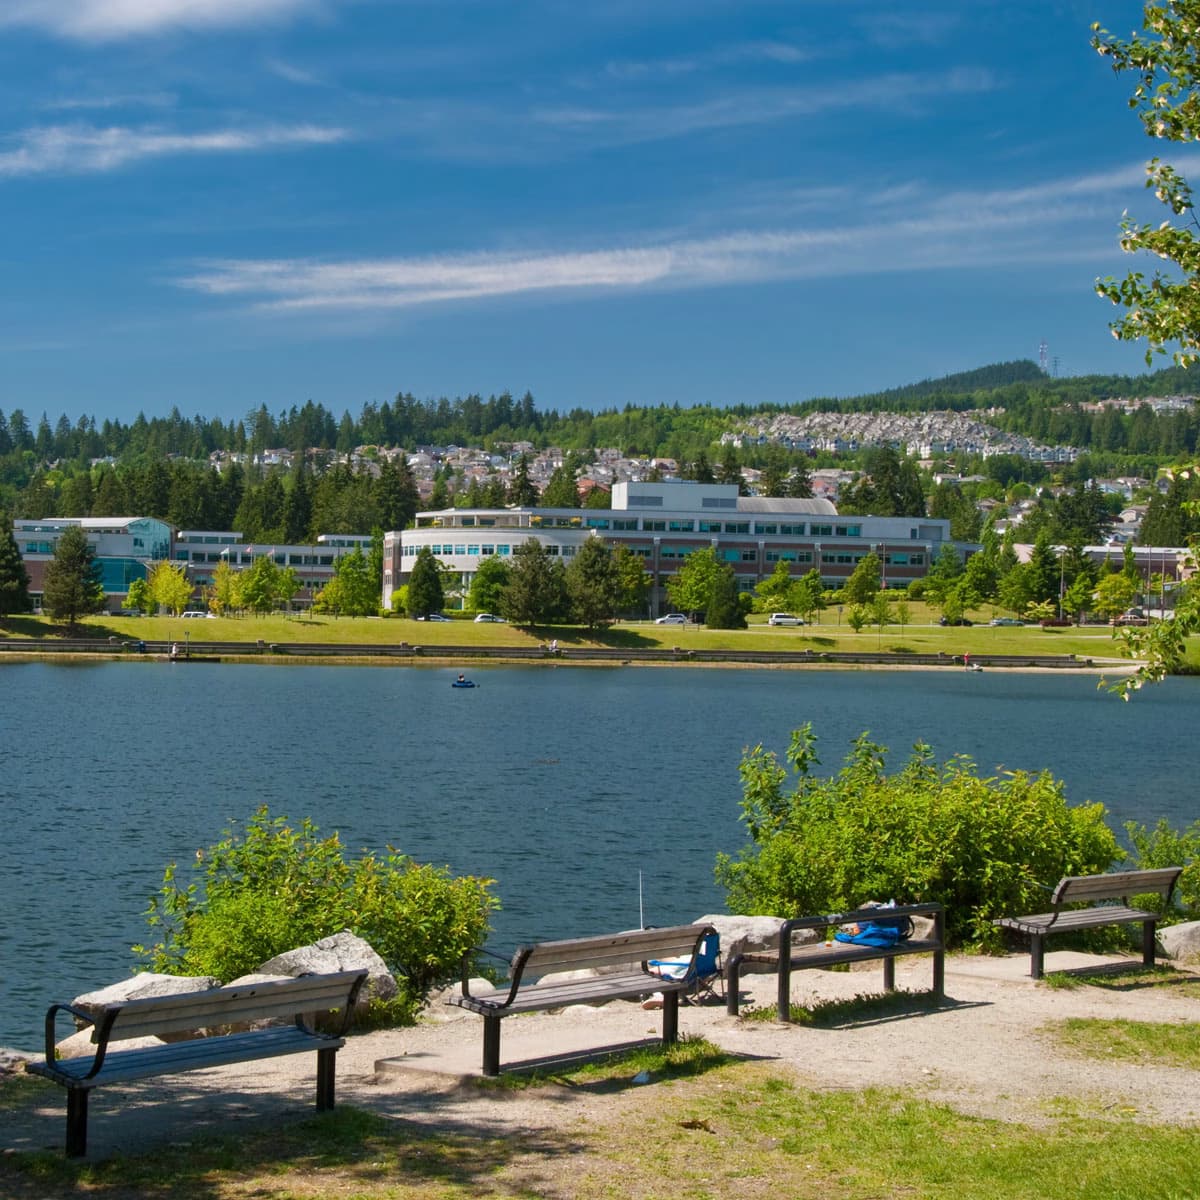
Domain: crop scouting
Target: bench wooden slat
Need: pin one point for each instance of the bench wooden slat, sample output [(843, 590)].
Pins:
[(223, 1006), (1116, 885), (626, 949), (196, 1054)]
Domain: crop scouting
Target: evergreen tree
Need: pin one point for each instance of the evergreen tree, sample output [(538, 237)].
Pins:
[(536, 591), (522, 491), (561, 491), (425, 593), (724, 609), (799, 484), (72, 587), (593, 584), (14, 579)]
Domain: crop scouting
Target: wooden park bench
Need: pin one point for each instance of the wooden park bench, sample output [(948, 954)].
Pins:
[(195, 1013), (624, 960), (1107, 900), (833, 953)]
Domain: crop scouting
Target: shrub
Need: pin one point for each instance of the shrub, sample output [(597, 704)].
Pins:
[(1166, 847), (983, 848), (274, 888)]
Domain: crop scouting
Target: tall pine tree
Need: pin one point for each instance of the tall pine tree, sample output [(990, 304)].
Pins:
[(14, 579)]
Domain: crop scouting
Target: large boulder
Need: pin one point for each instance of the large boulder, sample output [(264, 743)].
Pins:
[(750, 935), (342, 952), (1181, 942)]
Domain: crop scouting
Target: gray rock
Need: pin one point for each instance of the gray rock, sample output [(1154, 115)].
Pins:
[(1181, 942), (341, 952), (12, 1062), (749, 935)]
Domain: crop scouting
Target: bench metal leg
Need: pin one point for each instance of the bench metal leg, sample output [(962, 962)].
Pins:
[(1037, 945), (77, 1113), (783, 992), (732, 979), (326, 1060), (670, 1018), (1148, 943), (491, 1045), (889, 974)]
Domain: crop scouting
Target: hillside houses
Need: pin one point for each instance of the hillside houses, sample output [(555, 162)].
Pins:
[(924, 435)]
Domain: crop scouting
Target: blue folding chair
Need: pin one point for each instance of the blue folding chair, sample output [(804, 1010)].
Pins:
[(703, 972)]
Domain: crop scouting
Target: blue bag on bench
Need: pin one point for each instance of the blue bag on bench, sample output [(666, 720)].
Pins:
[(880, 931)]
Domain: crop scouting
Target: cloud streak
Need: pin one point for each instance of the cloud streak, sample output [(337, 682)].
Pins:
[(85, 149), (1063, 221), (106, 20)]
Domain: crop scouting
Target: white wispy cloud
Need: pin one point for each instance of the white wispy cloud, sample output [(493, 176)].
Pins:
[(722, 56), (102, 20), (1063, 220), (85, 149), (756, 106), (128, 100)]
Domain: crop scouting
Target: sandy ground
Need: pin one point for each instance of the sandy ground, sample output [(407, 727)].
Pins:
[(984, 1051)]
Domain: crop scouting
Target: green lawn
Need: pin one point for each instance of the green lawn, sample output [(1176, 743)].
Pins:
[(921, 636)]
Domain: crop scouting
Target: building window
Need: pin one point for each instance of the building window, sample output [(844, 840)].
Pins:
[(681, 526), (822, 531), (766, 528), (637, 500), (737, 526), (849, 531), (749, 556), (710, 526), (624, 523), (792, 530), (655, 526), (718, 502), (597, 523)]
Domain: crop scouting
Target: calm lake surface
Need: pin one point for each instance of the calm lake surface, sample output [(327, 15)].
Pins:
[(563, 784)]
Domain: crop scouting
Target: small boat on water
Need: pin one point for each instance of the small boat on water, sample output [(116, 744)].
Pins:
[(463, 682)]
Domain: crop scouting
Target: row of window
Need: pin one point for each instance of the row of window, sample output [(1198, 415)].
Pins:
[(284, 560), (471, 551), (680, 525)]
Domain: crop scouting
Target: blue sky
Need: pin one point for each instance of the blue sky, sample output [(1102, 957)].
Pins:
[(216, 204)]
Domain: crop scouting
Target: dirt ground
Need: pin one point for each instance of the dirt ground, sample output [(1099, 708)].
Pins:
[(983, 1051)]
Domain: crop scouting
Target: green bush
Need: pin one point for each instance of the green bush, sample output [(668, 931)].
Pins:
[(983, 848), (274, 888), (1166, 847)]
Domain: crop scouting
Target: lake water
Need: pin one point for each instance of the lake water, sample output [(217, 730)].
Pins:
[(564, 784)]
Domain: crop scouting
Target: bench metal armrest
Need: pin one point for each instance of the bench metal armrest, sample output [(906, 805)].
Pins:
[(100, 1034), (347, 1011), (469, 959)]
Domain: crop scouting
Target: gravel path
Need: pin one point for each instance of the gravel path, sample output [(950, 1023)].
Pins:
[(985, 1051)]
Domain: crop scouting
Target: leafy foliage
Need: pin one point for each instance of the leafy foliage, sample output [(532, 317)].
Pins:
[(273, 888), (14, 580), (983, 848), (1164, 846)]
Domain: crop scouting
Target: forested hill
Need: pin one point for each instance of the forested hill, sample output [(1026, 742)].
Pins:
[(1032, 404)]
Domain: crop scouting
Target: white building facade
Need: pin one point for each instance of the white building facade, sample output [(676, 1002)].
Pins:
[(664, 522)]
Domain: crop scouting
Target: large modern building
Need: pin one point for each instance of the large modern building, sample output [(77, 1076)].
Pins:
[(125, 548), (664, 523)]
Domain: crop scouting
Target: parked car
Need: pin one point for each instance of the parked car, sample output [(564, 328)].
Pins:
[(1006, 621), (1134, 616), (484, 618), (954, 621), (198, 612), (433, 617), (783, 619), (672, 619)]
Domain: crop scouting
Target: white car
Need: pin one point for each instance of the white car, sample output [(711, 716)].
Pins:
[(483, 618), (672, 619), (783, 619), (198, 612)]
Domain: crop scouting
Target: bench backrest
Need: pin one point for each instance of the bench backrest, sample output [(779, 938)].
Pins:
[(1118, 885), (189, 1011), (611, 951)]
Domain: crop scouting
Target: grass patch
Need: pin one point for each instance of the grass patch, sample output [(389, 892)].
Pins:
[(853, 1010), (688, 1057), (20, 1091), (1119, 977), (737, 1130), (1132, 1041)]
